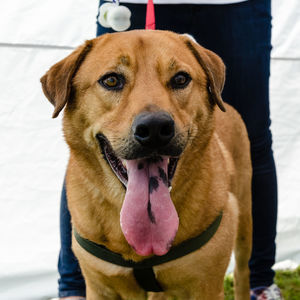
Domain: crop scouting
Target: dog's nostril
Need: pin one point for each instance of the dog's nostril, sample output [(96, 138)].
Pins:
[(142, 131), (167, 130)]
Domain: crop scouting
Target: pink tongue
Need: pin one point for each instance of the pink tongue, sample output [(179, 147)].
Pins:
[(149, 219)]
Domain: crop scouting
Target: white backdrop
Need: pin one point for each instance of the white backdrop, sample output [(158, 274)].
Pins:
[(34, 35)]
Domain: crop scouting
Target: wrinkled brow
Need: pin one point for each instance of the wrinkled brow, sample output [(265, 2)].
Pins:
[(124, 60), (172, 65)]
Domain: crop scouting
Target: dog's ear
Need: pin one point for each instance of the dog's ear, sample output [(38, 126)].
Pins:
[(57, 82), (214, 69)]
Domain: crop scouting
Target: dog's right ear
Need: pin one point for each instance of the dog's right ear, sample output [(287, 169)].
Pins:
[(57, 82)]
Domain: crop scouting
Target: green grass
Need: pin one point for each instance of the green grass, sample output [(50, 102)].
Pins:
[(288, 281)]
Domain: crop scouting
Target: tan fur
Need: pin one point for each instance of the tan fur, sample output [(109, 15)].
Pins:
[(213, 173)]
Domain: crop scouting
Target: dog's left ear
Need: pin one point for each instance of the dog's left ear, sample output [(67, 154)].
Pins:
[(214, 69), (57, 82)]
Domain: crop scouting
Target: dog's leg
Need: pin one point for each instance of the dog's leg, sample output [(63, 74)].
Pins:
[(194, 296), (94, 292), (156, 296), (213, 291), (242, 249)]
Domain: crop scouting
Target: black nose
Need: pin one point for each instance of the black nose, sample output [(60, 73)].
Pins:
[(153, 129)]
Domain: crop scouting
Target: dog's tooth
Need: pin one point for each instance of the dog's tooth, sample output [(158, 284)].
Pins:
[(124, 163), (170, 188)]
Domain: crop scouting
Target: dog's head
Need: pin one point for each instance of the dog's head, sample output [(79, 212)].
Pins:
[(135, 101)]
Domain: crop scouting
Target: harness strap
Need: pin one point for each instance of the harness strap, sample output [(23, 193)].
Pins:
[(143, 271), (147, 280)]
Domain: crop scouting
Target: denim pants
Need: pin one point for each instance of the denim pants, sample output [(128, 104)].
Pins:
[(241, 35)]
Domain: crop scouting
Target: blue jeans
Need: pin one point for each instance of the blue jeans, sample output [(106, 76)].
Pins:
[(241, 34), (71, 282)]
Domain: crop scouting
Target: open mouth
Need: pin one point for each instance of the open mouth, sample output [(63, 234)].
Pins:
[(148, 217), (118, 165)]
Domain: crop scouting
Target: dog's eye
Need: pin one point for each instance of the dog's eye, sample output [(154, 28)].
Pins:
[(112, 81), (180, 80)]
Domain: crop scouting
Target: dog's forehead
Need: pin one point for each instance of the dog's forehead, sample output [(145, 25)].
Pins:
[(142, 39), (126, 47), (157, 52)]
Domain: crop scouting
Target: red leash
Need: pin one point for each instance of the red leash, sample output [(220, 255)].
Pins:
[(150, 16)]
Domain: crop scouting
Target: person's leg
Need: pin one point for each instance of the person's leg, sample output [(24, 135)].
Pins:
[(71, 282), (241, 35)]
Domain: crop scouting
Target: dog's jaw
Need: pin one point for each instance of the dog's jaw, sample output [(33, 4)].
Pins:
[(148, 218)]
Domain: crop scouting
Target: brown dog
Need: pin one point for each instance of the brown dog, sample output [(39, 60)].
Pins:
[(144, 112)]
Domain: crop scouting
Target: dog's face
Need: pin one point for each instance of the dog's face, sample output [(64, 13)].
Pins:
[(135, 101)]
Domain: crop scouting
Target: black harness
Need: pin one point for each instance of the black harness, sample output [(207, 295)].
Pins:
[(143, 270)]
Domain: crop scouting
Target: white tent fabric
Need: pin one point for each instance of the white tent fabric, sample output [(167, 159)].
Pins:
[(34, 35)]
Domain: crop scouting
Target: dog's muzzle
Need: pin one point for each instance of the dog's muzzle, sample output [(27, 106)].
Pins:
[(146, 164)]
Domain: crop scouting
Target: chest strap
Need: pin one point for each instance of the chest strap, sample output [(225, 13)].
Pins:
[(143, 270)]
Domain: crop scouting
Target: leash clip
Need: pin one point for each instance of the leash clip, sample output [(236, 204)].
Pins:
[(115, 16)]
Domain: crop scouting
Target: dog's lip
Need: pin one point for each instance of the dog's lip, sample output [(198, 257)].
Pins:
[(118, 165), (114, 162)]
